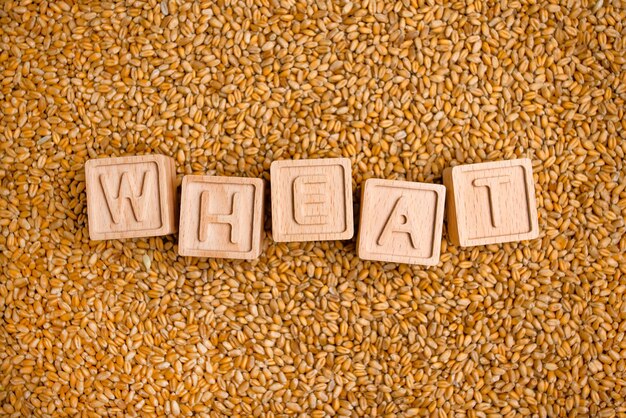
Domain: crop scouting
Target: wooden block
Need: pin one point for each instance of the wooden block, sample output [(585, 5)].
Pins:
[(401, 222), (489, 203), (312, 200), (221, 217), (131, 197)]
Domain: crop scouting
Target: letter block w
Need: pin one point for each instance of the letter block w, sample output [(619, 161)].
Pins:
[(131, 197)]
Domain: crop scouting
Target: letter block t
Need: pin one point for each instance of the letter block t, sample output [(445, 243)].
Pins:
[(490, 203), (221, 217), (131, 197), (401, 221), (312, 200)]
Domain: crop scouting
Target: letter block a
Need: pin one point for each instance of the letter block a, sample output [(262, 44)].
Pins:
[(131, 197), (312, 200), (221, 217), (490, 203), (401, 221)]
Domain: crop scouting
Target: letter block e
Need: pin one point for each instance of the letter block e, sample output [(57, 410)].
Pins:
[(312, 200), (131, 197), (401, 221), (221, 217), (490, 203)]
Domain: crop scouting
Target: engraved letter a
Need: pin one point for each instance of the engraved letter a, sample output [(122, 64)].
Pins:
[(400, 220), (138, 201)]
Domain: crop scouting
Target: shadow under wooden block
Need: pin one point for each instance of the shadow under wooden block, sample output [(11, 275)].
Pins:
[(401, 222), (490, 203), (131, 197), (221, 217), (312, 200)]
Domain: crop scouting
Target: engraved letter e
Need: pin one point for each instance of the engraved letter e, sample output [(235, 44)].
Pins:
[(309, 191)]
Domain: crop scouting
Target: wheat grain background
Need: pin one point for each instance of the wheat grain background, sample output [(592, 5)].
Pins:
[(402, 88)]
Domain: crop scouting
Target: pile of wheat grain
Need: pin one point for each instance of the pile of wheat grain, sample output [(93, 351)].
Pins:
[(404, 89)]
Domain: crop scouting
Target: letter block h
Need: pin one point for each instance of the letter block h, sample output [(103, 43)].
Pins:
[(131, 197), (221, 217), (490, 203)]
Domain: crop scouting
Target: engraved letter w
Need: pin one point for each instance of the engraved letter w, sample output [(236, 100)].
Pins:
[(138, 202)]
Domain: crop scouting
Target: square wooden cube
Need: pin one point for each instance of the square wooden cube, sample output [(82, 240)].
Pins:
[(312, 200), (221, 217), (401, 222), (493, 202), (131, 197)]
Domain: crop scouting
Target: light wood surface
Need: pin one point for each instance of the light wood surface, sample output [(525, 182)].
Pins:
[(221, 217), (401, 221), (312, 200), (131, 197), (490, 203)]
